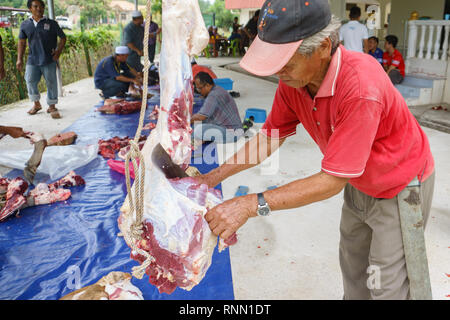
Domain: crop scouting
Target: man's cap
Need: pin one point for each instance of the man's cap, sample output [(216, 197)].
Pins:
[(136, 14), (122, 50), (282, 27)]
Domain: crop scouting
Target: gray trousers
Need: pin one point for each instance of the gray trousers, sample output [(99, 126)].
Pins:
[(395, 76), (371, 251)]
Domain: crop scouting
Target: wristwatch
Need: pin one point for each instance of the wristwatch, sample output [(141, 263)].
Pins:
[(263, 207)]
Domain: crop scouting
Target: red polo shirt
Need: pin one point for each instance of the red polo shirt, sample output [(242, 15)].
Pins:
[(395, 60), (361, 124)]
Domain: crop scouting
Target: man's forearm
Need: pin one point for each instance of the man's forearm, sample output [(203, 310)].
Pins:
[(366, 46), (255, 151), (61, 45), (302, 192), (124, 79), (21, 49), (133, 47)]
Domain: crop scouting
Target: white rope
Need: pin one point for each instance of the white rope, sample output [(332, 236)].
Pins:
[(136, 203)]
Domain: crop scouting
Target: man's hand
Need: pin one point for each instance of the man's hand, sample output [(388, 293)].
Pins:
[(140, 53), (226, 218), (56, 55), (19, 65), (137, 81)]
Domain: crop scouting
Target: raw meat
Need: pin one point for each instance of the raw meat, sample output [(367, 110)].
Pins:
[(154, 114), (114, 286), (62, 139), (175, 233), (42, 194), (124, 107), (149, 126), (108, 148), (123, 151), (14, 197)]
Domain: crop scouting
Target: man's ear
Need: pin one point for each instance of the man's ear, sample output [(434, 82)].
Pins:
[(325, 48)]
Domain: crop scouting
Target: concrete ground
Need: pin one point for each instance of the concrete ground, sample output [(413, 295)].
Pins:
[(294, 253)]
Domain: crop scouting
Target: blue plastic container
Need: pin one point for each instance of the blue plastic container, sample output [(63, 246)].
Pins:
[(259, 115), (225, 83)]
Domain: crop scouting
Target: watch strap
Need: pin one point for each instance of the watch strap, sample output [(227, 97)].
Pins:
[(261, 200)]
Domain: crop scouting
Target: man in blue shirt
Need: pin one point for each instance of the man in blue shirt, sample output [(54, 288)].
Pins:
[(44, 51), (113, 75), (374, 51), (218, 119)]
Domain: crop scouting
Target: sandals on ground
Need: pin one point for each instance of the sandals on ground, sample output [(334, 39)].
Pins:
[(34, 110)]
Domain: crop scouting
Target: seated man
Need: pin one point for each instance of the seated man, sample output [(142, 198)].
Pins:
[(218, 120), (374, 51), (113, 75), (393, 61)]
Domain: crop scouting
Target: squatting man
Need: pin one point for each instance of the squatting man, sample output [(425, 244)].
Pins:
[(372, 145)]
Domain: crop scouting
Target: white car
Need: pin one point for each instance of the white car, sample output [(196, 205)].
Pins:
[(64, 22)]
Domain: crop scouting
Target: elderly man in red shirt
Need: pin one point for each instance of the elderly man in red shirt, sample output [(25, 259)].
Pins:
[(372, 147)]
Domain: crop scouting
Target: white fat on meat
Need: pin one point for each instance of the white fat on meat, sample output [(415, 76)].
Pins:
[(174, 211)]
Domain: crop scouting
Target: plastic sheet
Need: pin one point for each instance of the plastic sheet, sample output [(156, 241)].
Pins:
[(51, 250), (57, 161)]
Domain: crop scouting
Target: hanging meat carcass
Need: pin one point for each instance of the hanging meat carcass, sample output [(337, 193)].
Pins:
[(175, 234)]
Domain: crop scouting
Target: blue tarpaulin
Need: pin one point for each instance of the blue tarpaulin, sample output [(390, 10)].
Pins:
[(45, 250)]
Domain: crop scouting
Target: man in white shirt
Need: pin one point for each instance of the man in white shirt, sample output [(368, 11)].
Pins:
[(354, 34)]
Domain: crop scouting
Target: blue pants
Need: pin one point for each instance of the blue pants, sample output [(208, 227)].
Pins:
[(33, 75), (219, 134), (113, 87)]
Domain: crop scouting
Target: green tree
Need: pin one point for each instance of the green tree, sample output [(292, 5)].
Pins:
[(92, 11), (224, 17)]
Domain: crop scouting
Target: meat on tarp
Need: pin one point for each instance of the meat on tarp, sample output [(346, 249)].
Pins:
[(13, 195), (175, 233)]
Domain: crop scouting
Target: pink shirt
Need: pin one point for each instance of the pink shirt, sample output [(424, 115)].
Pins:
[(360, 122)]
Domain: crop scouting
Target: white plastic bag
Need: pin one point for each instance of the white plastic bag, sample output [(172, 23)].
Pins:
[(57, 161)]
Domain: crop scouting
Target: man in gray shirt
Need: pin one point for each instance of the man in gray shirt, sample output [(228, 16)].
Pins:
[(218, 119), (133, 38)]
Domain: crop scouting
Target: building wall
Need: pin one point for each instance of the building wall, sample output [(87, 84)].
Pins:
[(401, 12)]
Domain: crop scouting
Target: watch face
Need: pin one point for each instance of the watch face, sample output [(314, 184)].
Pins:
[(263, 211)]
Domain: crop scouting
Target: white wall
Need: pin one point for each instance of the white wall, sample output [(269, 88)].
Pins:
[(401, 12)]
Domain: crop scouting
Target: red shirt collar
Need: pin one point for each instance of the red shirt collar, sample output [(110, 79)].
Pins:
[(328, 86)]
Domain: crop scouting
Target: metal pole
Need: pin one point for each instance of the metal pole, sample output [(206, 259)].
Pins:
[(136, 5), (51, 9)]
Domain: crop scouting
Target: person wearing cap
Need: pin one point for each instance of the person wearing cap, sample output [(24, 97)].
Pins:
[(373, 148), (44, 50), (354, 34), (113, 75), (133, 38)]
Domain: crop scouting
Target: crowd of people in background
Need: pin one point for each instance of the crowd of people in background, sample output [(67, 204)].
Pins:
[(355, 37), (115, 73)]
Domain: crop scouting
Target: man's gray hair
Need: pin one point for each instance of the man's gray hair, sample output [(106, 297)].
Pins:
[(312, 43)]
